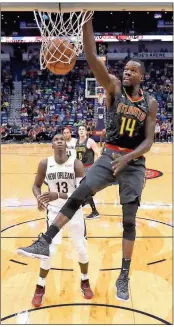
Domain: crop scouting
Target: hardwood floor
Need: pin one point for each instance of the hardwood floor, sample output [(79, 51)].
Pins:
[(151, 270)]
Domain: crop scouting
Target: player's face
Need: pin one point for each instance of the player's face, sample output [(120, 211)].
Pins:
[(132, 74), (67, 134), (59, 143), (82, 131)]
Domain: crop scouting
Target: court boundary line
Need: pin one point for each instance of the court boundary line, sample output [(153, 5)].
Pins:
[(107, 215), (154, 262), (67, 237), (53, 268), (91, 304), (149, 205)]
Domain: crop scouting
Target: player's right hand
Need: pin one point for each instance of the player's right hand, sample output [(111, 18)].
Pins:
[(48, 196), (119, 163), (40, 204)]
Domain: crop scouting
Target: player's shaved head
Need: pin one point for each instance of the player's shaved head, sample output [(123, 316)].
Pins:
[(140, 63)]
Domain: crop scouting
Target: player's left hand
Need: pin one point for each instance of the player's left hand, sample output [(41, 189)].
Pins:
[(48, 196), (119, 162)]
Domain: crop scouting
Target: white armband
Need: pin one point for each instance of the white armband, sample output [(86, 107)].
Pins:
[(78, 180)]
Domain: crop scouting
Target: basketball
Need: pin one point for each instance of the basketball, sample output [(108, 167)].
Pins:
[(59, 53)]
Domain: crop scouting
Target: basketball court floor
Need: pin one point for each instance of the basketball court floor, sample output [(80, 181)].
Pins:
[(151, 271)]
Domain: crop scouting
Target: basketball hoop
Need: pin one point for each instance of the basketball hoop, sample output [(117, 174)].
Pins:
[(67, 26)]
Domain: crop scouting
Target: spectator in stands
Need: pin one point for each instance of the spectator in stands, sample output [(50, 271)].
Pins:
[(163, 115), (4, 132), (169, 131), (163, 132), (102, 49), (157, 132), (5, 106)]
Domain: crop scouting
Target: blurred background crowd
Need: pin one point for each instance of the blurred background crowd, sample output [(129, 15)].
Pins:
[(36, 104)]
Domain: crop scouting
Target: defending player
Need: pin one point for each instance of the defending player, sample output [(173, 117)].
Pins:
[(63, 174), (86, 150), (70, 142)]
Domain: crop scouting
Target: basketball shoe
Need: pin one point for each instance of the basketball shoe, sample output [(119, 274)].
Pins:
[(38, 296), (93, 215), (39, 249), (122, 290), (86, 289)]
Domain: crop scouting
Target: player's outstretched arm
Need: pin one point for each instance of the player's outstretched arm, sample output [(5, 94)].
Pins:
[(79, 171), (98, 68), (39, 179), (93, 145)]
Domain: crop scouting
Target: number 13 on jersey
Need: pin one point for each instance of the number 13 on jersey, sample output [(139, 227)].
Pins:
[(127, 124)]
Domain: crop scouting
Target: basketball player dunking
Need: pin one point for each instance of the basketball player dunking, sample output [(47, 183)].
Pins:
[(86, 150), (62, 174), (130, 129)]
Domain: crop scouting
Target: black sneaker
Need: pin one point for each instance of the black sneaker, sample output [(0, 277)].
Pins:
[(39, 249), (93, 215), (122, 290)]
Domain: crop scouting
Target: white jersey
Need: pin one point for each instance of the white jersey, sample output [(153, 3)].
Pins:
[(71, 147), (60, 178)]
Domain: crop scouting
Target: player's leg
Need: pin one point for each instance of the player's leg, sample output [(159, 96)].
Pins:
[(96, 178), (45, 265), (158, 137), (77, 231), (131, 182), (94, 214), (168, 137)]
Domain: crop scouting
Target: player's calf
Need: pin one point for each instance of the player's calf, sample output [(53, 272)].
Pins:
[(129, 232)]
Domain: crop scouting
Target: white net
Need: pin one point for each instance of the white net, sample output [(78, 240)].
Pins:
[(67, 27)]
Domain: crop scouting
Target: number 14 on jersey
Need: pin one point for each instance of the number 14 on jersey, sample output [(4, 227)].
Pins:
[(127, 124)]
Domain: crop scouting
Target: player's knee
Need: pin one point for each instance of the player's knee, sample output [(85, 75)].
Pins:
[(76, 200), (129, 231), (129, 215), (83, 255), (81, 249)]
